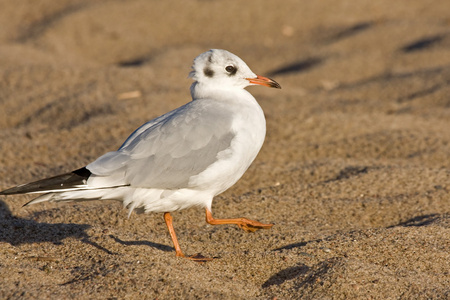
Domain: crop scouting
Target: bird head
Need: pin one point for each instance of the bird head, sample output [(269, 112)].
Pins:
[(218, 68)]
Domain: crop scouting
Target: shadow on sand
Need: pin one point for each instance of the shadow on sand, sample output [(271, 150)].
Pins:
[(16, 231)]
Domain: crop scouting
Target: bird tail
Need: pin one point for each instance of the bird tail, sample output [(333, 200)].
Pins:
[(108, 193)]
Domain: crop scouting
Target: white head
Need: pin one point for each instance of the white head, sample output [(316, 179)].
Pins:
[(220, 69)]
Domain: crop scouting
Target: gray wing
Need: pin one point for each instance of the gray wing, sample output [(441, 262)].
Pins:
[(166, 152)]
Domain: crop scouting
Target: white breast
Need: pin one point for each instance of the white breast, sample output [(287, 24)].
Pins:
[(249, 127)]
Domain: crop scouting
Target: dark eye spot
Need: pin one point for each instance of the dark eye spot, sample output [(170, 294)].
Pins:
[(231, 70), (208, 72)]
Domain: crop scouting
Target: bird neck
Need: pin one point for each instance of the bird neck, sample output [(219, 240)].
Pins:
[(202, 91)]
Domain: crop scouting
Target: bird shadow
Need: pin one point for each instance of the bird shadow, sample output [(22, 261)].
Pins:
[(17, 231), (140, 243)]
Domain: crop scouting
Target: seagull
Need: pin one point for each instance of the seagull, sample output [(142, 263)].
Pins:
[(181, 159)]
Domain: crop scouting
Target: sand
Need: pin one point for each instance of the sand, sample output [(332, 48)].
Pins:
[(354, 172)]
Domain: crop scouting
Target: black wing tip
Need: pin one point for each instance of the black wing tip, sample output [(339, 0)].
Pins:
[(83, 172), (12, 191), (74, 177)]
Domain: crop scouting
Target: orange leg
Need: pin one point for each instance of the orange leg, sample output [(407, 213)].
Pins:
[(178, 252), (243, 223)]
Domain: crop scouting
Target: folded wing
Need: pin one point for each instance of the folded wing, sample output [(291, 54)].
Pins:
[(168, 151)]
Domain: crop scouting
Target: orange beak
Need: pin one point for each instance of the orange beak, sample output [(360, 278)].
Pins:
[(264, 81)]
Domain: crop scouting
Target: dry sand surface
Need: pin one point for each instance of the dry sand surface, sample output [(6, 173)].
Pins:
[(354, 172)]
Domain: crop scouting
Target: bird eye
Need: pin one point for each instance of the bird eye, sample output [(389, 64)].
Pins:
[(230, 69)]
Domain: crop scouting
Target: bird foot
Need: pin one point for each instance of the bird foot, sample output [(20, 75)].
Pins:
[(243, 223), (252, 226)]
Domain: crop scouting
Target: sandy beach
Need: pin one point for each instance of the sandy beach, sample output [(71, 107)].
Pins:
[(354, 171)]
